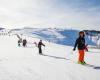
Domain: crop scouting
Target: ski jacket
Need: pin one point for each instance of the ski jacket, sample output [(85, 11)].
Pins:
[(80, 43), (40, 44)]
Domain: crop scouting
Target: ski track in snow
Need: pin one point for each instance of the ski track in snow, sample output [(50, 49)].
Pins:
[(58, 62)]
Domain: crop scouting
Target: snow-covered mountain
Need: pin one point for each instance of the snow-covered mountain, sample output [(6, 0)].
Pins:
[(58, 36), (94, 36)]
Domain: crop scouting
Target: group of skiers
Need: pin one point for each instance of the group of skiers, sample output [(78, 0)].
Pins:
[(24, 41), (80, 44), (24, 44)]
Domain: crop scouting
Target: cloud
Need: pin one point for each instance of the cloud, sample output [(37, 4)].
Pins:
[(79, 14)]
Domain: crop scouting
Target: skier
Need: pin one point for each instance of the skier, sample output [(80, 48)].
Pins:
[(24, 42), (35, 44), (80, 43), (19, 41), (40, 44)]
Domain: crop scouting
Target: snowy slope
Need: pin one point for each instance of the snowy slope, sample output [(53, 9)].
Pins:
[(59, 62)]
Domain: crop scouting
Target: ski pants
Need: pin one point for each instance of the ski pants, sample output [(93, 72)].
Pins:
[(40, 50), (81, 56), (24, 44)]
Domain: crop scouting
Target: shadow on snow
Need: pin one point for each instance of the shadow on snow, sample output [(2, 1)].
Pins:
[(87, 65)]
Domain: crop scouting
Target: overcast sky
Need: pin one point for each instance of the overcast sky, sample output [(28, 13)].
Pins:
[(78, 14)]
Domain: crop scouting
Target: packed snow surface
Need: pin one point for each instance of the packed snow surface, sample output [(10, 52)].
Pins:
[(58, 63)]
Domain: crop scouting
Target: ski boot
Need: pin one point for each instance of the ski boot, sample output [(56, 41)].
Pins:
[(82, 63)]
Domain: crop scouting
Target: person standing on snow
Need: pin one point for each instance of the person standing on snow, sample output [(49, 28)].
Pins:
[(40, 44), (80, 43), (24, 42), (19, 42)]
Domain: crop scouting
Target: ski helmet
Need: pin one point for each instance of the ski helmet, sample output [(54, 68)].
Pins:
[(81, 32)]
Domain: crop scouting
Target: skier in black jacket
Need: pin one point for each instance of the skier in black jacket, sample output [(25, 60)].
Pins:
[(40, 44), (24, 42), (80, 43)]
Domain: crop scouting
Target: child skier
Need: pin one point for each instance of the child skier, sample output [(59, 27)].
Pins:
[(35, 44), (19, 42), (80, 43), (24, 42), (40, 44)]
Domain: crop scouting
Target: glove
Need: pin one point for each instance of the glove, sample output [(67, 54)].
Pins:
[(44, 45), (74, 49)]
